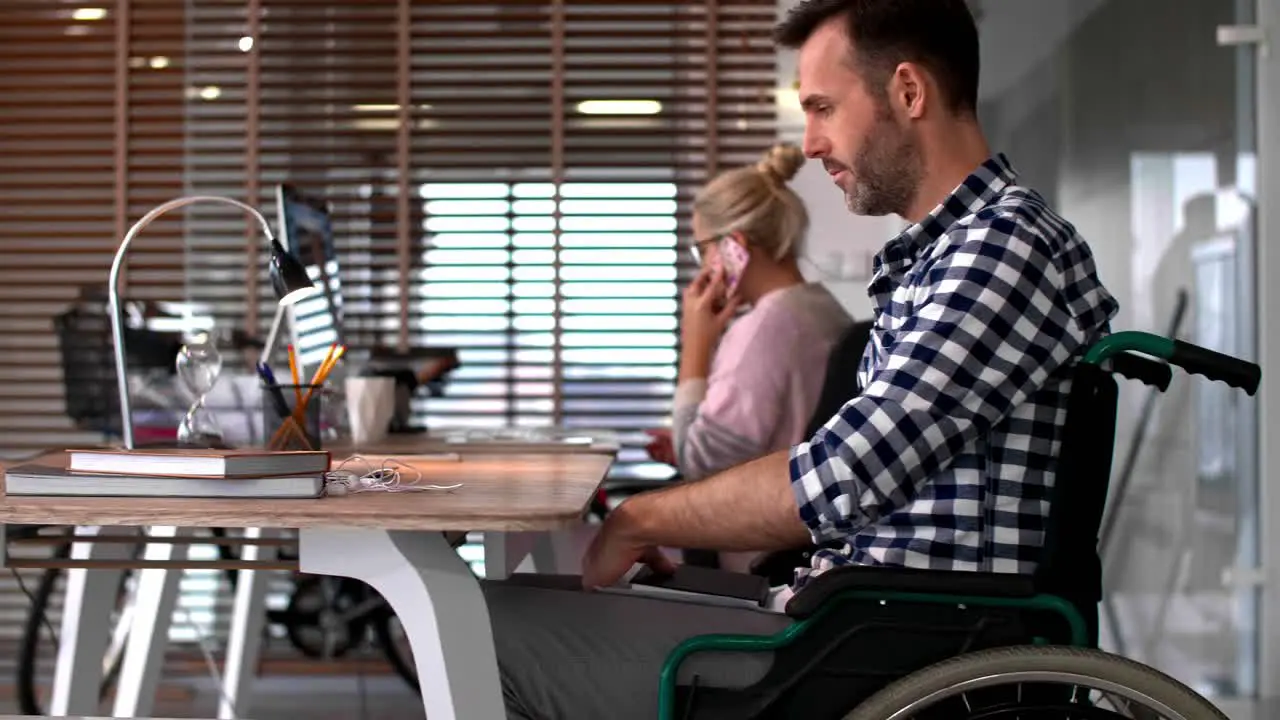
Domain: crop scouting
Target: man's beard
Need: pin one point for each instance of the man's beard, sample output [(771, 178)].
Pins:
[(886, 171)]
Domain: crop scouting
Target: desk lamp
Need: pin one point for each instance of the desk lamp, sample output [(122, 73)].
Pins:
[(288, 279)]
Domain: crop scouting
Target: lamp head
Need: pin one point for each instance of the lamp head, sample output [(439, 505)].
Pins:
[(288, 276)]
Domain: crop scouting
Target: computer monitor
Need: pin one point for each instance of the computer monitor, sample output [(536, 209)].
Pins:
[(306, 229)]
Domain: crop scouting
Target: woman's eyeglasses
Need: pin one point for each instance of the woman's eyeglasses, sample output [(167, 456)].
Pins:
[(699, 249)]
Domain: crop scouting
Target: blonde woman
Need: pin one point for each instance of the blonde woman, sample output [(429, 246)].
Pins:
[(748, 382)]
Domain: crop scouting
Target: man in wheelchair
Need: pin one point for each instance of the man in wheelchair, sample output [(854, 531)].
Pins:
[(944, 462)]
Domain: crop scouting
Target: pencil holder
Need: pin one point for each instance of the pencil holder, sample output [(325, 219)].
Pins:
[(287, 428)]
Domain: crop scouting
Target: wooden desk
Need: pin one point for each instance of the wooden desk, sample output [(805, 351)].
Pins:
[(500, 493), (390, 541), (538, 440)]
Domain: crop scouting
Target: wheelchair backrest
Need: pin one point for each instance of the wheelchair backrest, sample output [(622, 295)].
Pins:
[(1069, 564)]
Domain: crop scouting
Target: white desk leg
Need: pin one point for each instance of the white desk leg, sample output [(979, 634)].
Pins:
[(509, 552), (439, 603), (155, 598), (89, 599), (557, 552), (245, 640)]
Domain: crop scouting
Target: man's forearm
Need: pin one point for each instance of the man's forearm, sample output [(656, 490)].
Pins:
[(749, 507)]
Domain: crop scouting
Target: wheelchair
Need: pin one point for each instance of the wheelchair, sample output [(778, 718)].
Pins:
[(969, 645)]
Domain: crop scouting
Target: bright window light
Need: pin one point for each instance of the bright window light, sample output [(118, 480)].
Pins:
[(593, 260), (534, 207), (464, 190), (158, 62), (467, 207), (613, 207), (246, 44), (618, 190), (89, 14)]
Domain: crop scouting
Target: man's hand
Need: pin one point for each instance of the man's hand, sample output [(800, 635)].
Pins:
[(615, 549), (749, 507)]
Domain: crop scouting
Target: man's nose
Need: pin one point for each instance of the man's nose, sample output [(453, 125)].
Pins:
[(815, 144)]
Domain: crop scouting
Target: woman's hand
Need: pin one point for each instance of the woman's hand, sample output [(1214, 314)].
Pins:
[(660, 448), (707, 312)]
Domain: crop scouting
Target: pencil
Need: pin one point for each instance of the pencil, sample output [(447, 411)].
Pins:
[(321, 374), (328, 356), (297, 382)]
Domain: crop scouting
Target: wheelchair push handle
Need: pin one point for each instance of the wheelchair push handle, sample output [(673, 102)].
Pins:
[(1217, 366), (1191, 358), (1142, 368)]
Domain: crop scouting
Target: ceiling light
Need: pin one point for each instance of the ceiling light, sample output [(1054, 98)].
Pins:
[(210, 92), (383, 107), (619, 107), (788, 98), (391, 124), (246, 44), (159, 62), (91, 13), (376, 124)]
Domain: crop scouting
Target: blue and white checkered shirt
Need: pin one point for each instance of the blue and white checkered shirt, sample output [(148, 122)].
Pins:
[(946, 459)]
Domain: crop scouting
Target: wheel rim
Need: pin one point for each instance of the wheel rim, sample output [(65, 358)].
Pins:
[(961, 690)]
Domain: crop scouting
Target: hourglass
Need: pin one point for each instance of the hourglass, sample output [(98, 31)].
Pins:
[(199, 364), (289, 280)]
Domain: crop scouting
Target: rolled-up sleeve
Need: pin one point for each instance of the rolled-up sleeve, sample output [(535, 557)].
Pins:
[(984, 328)]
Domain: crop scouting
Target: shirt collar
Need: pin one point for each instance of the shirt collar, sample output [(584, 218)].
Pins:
[(978, 190)]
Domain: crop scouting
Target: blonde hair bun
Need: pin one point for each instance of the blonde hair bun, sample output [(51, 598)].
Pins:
[(782, 162)]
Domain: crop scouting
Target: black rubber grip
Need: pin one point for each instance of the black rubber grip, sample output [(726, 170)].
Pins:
[(1216, 366), (1139, 367)]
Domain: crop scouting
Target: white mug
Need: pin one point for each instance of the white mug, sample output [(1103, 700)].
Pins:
[(371, 401)]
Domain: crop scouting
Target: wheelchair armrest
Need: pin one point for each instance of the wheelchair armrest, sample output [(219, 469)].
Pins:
[(826, 586)]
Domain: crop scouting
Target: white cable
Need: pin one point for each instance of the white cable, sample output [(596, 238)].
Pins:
[(384, 477)]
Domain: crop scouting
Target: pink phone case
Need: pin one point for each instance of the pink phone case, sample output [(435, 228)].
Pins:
[(734, 259)]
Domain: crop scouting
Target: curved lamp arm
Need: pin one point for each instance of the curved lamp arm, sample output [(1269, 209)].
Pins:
[(113, 294)]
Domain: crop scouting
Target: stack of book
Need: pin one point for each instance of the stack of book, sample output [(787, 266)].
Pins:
[(171, 473)]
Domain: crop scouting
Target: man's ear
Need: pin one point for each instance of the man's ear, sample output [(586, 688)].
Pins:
[(909, 90)]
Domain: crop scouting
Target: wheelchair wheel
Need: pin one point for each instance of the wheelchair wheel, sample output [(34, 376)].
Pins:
[(1066, 683)]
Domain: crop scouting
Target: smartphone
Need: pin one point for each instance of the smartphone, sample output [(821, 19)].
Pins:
[(733, 260)]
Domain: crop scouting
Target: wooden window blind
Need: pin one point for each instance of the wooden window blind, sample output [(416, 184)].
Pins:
[(91, 118), (508, 178), (512, 179)]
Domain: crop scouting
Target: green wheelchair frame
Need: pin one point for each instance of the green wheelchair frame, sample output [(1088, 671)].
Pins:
[(1193, 359)]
